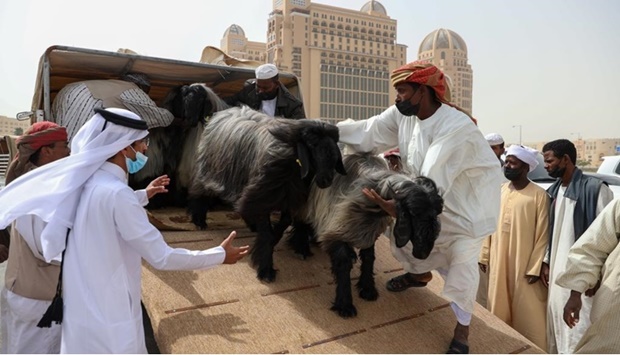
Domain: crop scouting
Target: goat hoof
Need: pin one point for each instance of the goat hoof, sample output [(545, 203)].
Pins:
[(267, 275), (369, 294), (345, 311), (201, 224)]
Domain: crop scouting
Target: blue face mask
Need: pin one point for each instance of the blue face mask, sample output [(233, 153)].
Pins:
[(133, 166)]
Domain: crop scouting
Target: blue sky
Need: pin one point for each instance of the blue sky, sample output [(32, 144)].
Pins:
[(550, 66)]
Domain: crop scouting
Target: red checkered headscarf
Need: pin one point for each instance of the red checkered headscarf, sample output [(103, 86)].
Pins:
[(38, 135), (394, 152), (424, 73)]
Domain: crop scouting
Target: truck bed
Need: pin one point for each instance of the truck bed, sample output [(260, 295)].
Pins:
[(228, 310)]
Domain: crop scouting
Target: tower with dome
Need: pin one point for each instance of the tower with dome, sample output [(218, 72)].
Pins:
[(448, 51), (236, 44), (343, 57)]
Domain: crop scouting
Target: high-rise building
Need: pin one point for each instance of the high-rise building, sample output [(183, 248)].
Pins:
[(447, 50), (343, 57), (236, 44), (12, 127)]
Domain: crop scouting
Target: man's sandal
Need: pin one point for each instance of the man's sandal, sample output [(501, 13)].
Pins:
[(403, 282), (456, 347)]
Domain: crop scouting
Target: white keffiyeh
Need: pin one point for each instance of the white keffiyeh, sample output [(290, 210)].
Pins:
[(52, 192)]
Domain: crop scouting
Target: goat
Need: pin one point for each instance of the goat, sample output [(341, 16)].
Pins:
[(171, 150), (343, 218), (262, 164)]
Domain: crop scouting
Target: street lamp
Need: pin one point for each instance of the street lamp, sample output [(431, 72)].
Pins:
[(518, 125)]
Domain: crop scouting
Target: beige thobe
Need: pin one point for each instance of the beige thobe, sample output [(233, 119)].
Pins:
[(516, 251)]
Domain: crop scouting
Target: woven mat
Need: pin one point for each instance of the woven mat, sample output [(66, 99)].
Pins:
[(228, 310)]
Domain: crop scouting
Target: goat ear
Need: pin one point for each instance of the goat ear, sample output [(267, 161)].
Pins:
[(303, 156), (402, 228), (207, 109)]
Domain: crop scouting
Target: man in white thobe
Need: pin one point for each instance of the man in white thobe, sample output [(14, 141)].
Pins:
[(441, 142), (87, 194), (576, 200)]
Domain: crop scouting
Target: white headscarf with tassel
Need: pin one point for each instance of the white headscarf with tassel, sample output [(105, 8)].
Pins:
[(52, 192)]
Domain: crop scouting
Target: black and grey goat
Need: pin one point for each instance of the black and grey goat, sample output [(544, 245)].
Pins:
[(262, 164), (343, 218), (172, 149)]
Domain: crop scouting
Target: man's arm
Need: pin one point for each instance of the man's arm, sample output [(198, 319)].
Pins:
[(141, 103), (378, 133), (605, 196), (134, 227), (157, 186), (298, 112), (587, 256), (241, 97)]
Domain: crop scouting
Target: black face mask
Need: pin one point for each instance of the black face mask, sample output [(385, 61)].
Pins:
[(512, 174), (264, 96), (557, 172), (407, 109)]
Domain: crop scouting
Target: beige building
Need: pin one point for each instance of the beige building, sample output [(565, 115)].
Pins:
[(343, 57), (447, 50), (589, 151), (8, 126), (236, 44)]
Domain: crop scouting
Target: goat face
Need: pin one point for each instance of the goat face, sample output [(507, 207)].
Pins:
[(196, 104), (418, 206), (318, 149), (173, 101)]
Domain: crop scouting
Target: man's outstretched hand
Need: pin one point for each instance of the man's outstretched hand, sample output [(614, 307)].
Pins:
[(157, 186), (233, 253)]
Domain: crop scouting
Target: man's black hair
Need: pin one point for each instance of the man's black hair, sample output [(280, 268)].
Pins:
[(561, 147)]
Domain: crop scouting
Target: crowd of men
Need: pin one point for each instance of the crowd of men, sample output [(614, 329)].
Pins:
[(78, 232), (526, 258)]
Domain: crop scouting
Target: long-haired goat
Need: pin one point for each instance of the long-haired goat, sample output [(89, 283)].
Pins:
[(343, 218), (171, 149), (262, 164)]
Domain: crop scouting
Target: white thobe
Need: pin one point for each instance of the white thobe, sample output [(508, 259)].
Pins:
[(448, 148), (560, 338), (102, 268), (268, 107)]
